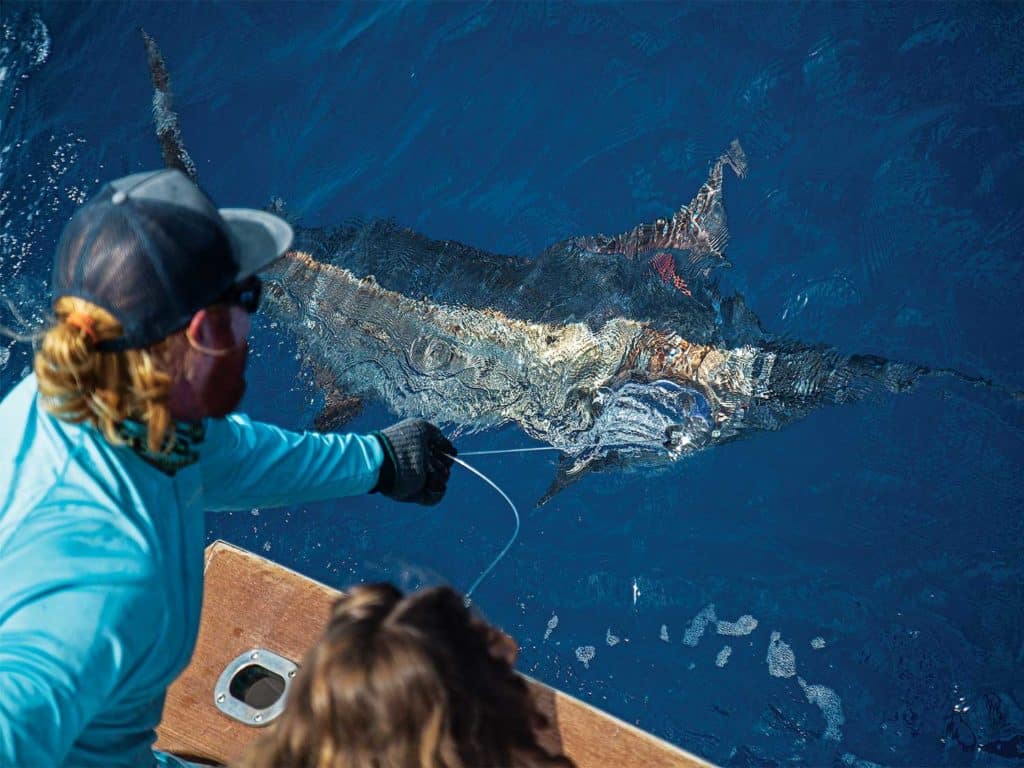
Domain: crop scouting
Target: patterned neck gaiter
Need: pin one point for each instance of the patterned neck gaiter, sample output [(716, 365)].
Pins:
[(185, 450)]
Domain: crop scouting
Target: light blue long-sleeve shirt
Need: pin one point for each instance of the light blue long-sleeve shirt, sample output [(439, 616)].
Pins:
[(101, 569)]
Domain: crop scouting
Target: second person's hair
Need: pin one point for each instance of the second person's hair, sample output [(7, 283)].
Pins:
[(406, 682)]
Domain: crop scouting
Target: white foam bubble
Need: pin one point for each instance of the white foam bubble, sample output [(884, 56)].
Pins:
[(5, 356), (744, 625), (610, 638), (781, 661), (585, 654), (818, 643), (723, 656), (830, 705), (663, 635), (695, 631), (552, 623)]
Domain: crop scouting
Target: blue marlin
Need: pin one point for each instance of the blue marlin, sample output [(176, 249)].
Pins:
[(619, 351), (625, 394)]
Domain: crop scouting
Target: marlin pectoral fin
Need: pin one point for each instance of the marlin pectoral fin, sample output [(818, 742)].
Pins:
[(339, 407), (338, 410), (569, 471)]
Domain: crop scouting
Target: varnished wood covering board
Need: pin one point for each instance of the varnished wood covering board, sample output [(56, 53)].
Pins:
[(251, 602)]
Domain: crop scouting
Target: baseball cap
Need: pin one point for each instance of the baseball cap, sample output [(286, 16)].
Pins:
[(152, 249)]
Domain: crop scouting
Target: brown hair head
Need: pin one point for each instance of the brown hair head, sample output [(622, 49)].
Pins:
[(406, 682)]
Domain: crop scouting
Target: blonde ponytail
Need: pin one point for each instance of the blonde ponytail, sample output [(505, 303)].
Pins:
[(80, 383)]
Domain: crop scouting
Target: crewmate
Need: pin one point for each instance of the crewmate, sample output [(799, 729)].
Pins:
[(415, 681)]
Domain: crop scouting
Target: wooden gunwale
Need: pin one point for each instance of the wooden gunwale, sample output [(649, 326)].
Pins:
[(251, 602)]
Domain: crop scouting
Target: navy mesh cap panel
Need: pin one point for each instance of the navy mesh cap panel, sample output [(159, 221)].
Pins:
[(151, 264)]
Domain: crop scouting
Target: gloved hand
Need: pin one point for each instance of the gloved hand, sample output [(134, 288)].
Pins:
[(415, 466)]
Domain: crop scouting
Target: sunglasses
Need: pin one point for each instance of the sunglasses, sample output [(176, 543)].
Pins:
[(245, 294)]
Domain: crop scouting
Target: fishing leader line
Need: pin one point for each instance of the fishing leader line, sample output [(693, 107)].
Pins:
[(515, 533), (511, 541), (508, 450), (645, 443)]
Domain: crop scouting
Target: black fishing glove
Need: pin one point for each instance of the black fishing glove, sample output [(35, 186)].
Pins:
[(415, 466)]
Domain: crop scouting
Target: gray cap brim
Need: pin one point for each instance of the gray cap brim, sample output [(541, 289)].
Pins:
[(259, 238)]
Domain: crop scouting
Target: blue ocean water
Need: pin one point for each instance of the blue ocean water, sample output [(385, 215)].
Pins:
[(882, 214)]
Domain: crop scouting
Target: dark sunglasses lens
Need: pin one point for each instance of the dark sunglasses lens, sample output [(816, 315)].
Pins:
[(250, 299), (247, 293)]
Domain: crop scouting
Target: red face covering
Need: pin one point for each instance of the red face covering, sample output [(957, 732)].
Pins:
[(210, 378)]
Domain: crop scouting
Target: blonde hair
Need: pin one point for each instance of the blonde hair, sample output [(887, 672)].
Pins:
[(405, 682), (80, 383)]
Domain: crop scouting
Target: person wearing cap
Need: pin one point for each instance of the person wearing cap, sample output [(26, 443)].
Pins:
[(120, 441)]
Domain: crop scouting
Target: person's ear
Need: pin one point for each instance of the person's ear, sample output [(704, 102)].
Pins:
[(196, 325), (201, 331)]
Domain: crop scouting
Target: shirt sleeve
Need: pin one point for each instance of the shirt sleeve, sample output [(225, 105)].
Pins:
[(248, 464), (76, 617)]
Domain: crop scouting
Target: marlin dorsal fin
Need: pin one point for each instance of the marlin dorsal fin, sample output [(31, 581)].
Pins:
[(698, 227)]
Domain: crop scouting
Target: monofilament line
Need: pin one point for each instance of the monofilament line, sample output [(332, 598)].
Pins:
[(515, 534), (508, 450), (638, 444), (511, 541)]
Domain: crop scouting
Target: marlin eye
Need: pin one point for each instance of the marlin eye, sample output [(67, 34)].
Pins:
[(670, 435)]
